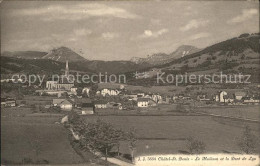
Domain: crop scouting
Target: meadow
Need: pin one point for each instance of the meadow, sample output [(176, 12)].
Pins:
[(34, 140), (241, 111), (167, 134)]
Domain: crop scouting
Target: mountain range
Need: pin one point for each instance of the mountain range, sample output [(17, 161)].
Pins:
[(238, 54), (163, 58)]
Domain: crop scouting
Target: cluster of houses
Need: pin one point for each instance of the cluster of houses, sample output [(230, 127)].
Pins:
[(237, 97), (8, 102), (83, 106)]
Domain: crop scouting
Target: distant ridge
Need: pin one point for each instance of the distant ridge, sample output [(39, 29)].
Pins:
[(162, 58), (24, 54)]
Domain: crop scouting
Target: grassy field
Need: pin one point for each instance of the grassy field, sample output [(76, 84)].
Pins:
[(160, 109), (34, 140), (167, 134), (246, 112)]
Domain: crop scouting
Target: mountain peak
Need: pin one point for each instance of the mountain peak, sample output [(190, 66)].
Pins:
[(183, 50), (62, 54)]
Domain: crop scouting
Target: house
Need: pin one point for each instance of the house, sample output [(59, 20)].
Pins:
[(79, 101), (87, 108), (217, 98), (221, 96), (73, 90), (101, 104), (147, 96), (229, 98), (86, 90), (249, 100), (202, 98), (110, 92), (140, 94), (239, 95), (64, 104), (8, 102), (165, 100), (156, 98), (142, 102)]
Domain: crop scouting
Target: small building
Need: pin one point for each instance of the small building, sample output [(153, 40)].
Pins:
[(221, 96), (203, 98), (109, 92), (86, 90), (157, 98), (142, 102), (73, 90), (87, 108), (239, 95), (100, 104), (229, 98), (64, 104)]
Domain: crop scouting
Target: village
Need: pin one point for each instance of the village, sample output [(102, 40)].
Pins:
[(66, 96)]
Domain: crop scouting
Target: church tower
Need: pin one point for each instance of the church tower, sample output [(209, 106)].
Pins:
[(67, 69)]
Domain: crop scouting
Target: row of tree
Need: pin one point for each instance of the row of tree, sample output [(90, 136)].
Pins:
[(101, 136)]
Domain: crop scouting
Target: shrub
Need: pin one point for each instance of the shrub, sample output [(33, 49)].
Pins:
[(195, 146), (27, 160)]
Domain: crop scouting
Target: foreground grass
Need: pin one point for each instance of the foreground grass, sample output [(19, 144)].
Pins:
[(167, 134)]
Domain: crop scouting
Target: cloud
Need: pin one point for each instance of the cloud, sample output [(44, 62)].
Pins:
[(200, 35), (109, 35), (155, 21), (75, 12), (246, 14), (194, 24), (82, 32), (149, 33), (188, 11)]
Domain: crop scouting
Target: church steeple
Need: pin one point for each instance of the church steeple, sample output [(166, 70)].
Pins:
[(67, 69)]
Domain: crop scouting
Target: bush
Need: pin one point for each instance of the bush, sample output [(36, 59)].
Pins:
[(195, 146), (27, 160)]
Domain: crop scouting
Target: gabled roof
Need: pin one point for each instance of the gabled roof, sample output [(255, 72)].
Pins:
[(59, 101), (87, 105), (66, 102), (100, 102), (143, 99), (240, 94)]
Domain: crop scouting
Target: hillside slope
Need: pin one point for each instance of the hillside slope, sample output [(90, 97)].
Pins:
[(242, 51)]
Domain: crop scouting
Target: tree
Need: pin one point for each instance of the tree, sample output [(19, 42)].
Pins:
[(248, 141), (99, 136), (132, 140), (120, 135), (79, 91), (195, 146)]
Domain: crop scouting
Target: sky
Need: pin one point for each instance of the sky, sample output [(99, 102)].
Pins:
[(119, 30)]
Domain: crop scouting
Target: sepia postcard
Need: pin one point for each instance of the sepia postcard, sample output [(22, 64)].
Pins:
[(125, 83)]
